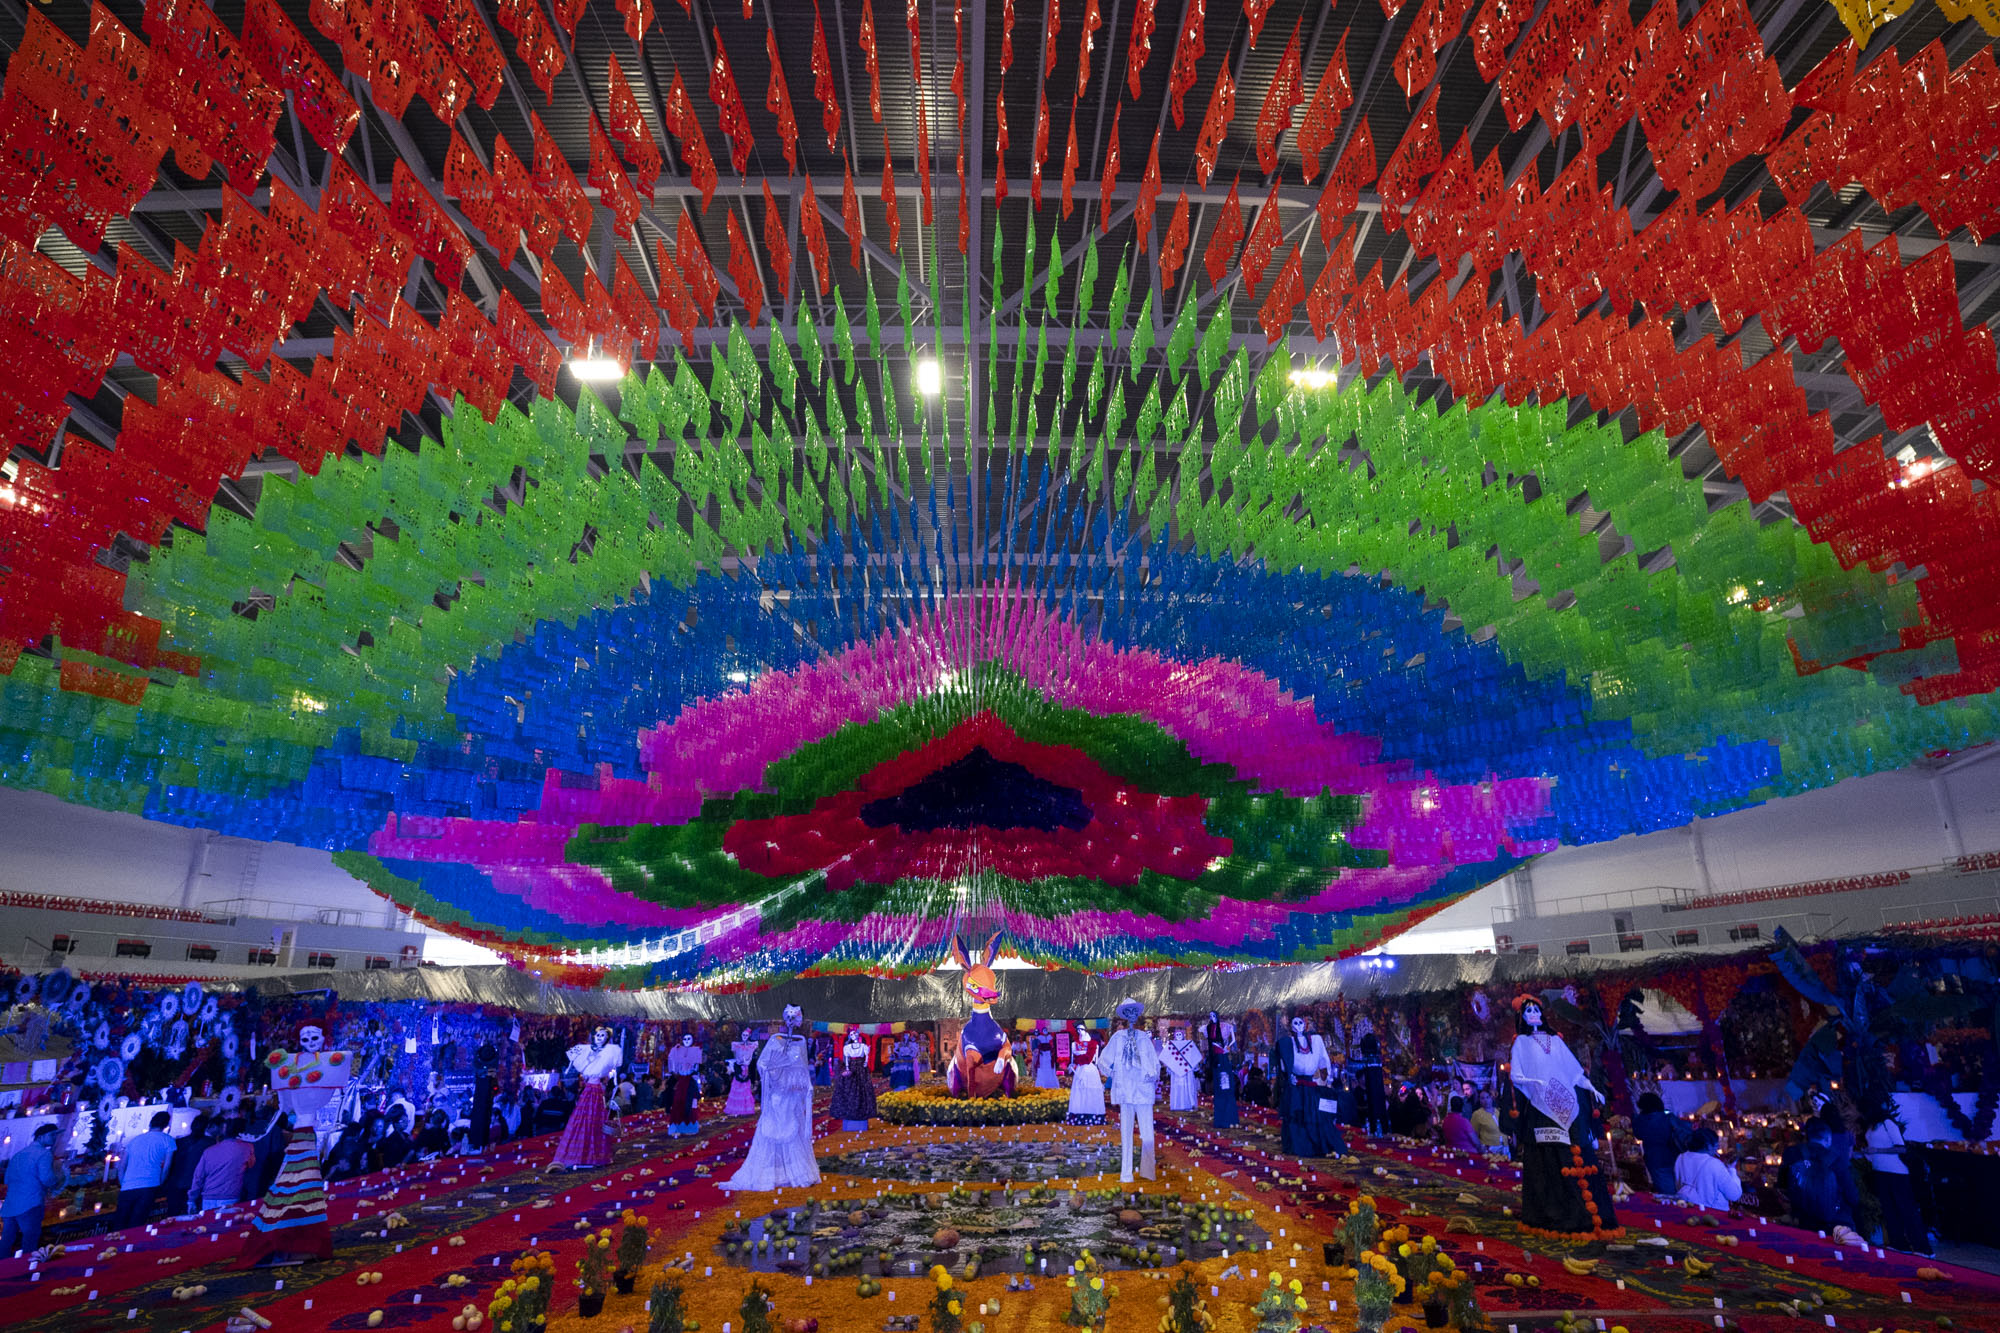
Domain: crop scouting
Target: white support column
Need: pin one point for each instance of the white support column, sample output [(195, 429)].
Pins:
[(197, 868), (1954, 840), (1521, 887), (1706, 885)]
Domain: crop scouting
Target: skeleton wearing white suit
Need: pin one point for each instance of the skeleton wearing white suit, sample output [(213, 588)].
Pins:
[(1132, 1067)]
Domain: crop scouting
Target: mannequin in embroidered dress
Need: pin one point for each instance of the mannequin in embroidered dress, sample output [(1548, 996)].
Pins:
[(290, 1225), (1182, 1059), (1043, 1045), (1222, 1076), (781, 1151), (1134, 1067), (1211, 1047), (742, 1054), (903, 1063), (586, 1139), (1563, 1190), (684, 1068), (1303, 1068), (853, 1085), (1086, 1085)]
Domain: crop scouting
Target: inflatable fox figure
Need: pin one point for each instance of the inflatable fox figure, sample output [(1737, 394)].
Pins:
[(984, 1065)]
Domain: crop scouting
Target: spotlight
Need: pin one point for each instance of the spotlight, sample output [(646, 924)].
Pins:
[(596, 369), (740, 677), (1312, 377), (930, 377)]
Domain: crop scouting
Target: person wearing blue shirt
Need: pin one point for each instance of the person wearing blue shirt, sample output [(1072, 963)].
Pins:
[(32, 1174), (147, 1159), (1665, 1136)]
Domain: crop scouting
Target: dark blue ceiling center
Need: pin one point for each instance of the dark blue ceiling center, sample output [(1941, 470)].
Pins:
[(980, 791)]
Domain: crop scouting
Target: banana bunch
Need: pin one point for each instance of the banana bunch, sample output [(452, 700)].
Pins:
[(1578, 1267)]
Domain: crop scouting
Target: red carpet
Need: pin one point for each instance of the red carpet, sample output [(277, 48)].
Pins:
[(492, 1205)]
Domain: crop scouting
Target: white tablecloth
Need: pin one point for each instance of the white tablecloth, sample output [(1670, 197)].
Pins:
[(1924, 1120), (74, 1130), (1683, 1096)]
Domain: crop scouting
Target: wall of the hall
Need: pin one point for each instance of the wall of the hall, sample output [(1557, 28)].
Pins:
[(1888, 821), (48, 846)]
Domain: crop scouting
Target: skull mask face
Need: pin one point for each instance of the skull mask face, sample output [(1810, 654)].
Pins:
[(1531, 1014), (687, 1039), (1298, 1027), (600, 1038), (795, 1018), (311, 1040)]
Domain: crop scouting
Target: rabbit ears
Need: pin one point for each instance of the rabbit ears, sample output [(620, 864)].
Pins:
[(968, 962)]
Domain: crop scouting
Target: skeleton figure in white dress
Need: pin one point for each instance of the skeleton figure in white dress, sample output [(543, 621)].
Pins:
[(1182, 1059), (781, 1151)]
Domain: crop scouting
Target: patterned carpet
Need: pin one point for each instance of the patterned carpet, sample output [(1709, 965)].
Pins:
[(1763, 1277), (1748, 1271), (498, 1205)]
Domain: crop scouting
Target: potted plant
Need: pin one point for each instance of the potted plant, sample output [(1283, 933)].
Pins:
[(1376, 1286), (591, 1269), (1360, 1228), (665, 1306), (1278, 1309), (946, 1308), (755, 1312), (1090, 1295), (633, 1243), (1463, 1299), (1187, 1312), (522, 1301)]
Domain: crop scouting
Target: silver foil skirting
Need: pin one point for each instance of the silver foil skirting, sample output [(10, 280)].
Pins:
[(936, 995)]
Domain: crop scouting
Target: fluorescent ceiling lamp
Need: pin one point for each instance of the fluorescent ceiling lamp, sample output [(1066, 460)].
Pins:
[(930, 378), (596, 369)]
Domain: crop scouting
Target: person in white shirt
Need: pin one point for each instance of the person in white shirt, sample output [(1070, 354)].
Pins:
[(1133, 1066), (1902, 1217), (1705, 1180), (147, 1157)]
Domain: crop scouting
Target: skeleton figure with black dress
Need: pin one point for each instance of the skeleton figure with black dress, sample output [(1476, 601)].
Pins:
[(1563, 1190)]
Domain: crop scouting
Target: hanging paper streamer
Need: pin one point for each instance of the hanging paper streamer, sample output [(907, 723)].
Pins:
[(1227, 666)]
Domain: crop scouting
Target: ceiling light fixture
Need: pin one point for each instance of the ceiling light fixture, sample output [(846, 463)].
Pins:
[(596, 369), (930, 377), (1312, 377)]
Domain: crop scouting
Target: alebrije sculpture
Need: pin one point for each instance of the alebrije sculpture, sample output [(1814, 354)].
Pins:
[(984, 1064)]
